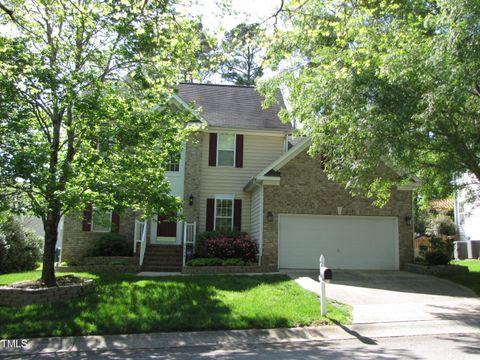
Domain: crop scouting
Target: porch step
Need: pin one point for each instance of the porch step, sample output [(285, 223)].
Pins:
[(163, 258)]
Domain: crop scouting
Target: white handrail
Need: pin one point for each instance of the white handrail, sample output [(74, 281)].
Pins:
[(189, 235), (143, 242)]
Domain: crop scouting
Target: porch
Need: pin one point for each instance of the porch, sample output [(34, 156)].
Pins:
[(155, 255)]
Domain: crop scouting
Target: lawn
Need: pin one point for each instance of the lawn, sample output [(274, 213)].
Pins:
[(470, 279), (125, 303)]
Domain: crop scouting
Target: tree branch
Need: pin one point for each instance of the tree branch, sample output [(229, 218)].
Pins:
[(8, 11)]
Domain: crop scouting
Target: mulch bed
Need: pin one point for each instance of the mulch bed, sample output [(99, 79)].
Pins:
[(66, 280)]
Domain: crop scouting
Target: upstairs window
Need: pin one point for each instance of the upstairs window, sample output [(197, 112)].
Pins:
[(173, 163), (226, 150)]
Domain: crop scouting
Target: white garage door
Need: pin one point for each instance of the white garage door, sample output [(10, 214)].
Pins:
[(347, 242)]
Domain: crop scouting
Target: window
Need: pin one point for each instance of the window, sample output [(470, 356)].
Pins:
[(226, 150), (101, 220), (223, 214), (173, 163)]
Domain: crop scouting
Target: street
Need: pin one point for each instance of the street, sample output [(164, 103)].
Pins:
[(446, 346)]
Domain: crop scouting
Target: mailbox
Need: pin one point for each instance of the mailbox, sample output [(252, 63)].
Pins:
[(326, 273)]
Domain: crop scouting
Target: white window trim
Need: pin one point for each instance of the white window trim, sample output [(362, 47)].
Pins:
[(102, 231), (234, 148), (230, 197)]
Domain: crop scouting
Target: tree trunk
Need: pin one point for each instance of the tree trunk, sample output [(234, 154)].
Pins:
[(51, 234)]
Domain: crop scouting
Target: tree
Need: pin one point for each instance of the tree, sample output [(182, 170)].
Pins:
[(85, 112), (242, 54), (386, 89), (205, 60)]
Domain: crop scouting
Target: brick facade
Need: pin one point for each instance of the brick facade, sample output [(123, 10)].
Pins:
[(76, 241), (193, 172), (305, 189)]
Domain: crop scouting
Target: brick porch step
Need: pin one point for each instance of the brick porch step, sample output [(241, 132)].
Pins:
[(163, 258)]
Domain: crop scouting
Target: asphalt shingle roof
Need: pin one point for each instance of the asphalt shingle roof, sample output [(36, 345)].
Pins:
[(229, 106)]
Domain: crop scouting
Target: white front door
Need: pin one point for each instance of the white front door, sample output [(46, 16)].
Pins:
[(347, 242)]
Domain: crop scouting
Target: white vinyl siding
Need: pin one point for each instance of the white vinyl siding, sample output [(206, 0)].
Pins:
[(258, 152), (256, 214)]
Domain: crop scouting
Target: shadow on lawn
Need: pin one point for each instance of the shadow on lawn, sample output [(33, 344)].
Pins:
[(125, 303)]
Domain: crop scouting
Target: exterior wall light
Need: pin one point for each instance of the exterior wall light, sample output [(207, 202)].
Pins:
[(269, 216), (408, 220), (190, 200)]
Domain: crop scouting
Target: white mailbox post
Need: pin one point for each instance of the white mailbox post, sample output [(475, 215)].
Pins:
[(325, 275)]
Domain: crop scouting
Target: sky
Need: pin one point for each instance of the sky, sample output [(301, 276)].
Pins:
[(215, 18)]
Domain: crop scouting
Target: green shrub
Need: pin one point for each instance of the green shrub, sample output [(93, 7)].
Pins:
[(437, 258), (442, 225), (110, 244), (205, 262), (75, 262), (201, 241), (233, 262), (19, 249)]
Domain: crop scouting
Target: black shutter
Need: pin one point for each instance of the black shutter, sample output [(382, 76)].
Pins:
[(87, 218), (210, 214), (212, 150), (239, 151), (115, 221)]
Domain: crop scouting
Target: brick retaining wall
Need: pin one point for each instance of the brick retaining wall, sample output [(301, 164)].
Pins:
[(20, 297)]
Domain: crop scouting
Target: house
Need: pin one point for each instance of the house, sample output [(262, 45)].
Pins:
[(242, 172), (467, 217)]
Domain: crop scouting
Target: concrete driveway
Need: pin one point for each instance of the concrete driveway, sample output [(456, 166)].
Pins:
[(389, 296)]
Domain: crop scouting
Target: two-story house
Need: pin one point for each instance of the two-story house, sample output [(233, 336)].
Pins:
[(241, 172)]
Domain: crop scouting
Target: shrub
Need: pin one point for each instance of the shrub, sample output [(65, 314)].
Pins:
[(233, 262), (110, 244), (19, 249), (232, 247), (442, 225), (201, 241), (205, 262), (437, 258)]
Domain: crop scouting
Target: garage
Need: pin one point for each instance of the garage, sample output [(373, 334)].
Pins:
[(347, 242)]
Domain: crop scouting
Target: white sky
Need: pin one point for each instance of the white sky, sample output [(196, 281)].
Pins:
[(216, 19)]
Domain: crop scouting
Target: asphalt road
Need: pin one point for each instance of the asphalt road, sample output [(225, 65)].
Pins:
[(451, 346)]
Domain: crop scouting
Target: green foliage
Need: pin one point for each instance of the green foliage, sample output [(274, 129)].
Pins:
[(242, 54), (110, 244), (437, 258), (218, 262), (201, 241), (19, 248), (205, 262), (440, 252), (85, 109), (234, 262), (382, 83), (442, 225)]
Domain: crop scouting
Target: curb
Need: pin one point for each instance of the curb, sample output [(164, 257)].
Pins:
[(361, 332)]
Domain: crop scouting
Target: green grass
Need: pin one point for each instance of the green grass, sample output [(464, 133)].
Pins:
[(125, 303), (470, 279)]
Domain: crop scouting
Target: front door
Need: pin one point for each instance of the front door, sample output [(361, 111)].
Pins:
[(166, 231)]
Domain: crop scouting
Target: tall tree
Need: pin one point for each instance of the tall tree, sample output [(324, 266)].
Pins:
[(242, 54), (383, 85), (85, 115), (206, 58)]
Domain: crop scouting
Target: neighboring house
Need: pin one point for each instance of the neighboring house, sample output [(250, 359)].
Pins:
[(467, 217), (241, 172)]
